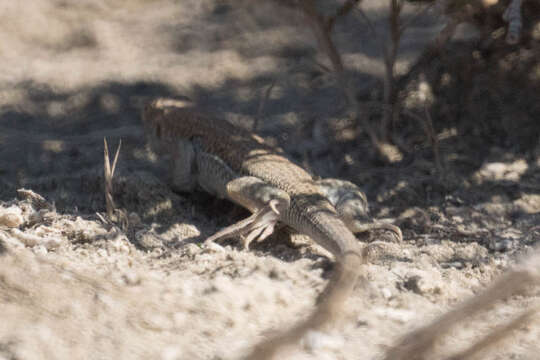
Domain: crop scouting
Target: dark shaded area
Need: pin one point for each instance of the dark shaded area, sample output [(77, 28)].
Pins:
[(78, 112), (487, 95), (480, 100), (54, 141)]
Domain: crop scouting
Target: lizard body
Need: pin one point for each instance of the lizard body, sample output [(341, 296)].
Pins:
[(301, 203)]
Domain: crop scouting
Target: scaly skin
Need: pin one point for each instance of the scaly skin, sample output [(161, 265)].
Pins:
[(309, 211)]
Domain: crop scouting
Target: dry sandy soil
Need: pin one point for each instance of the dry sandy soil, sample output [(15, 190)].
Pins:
[(73, 286)]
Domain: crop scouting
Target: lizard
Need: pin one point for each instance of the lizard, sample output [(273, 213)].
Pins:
[(233, 163)]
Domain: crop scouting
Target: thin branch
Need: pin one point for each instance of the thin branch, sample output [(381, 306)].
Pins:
[(318, 25), (368, 21), (390, 55), (416, 16), (323, 67), (262, 103), (342, 11)]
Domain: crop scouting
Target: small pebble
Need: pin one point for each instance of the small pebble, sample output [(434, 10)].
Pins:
[(148, 239), (386, 293), (453, 264), (40, 250), (214, 247), (11, 217), (316, 340), (52, 243), (131, 278), (191, 250), (502, 245), (172, 352)]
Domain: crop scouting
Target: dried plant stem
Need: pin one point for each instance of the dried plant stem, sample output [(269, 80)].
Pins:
[(322, 28), (389, 89), (108, 176)]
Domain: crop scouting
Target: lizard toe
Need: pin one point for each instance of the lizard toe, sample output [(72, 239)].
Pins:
[(360, 227), (258, 226), (392, 228)]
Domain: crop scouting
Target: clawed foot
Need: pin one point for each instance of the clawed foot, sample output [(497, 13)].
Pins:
[(380, 226), (258, 226)]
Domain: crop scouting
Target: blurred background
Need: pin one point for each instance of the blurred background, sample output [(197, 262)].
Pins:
[(431, 107)]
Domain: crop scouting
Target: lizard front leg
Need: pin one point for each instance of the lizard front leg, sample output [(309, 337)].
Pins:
[(192, 166), (352, 206)]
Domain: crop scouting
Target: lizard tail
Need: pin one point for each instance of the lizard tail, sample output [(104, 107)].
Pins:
[(331, 301)]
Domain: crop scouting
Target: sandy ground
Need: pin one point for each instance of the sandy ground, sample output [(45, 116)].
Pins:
[(73, 286)]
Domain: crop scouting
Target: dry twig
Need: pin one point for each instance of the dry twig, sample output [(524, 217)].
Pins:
[(322, 27), (427, 125), (390, 55), (342, 11)]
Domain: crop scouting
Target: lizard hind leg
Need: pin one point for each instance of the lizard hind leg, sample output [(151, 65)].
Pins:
[(258, 226), (265, 201)]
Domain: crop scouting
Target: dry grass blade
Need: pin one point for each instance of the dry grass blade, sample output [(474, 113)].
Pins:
[(108, 176), (418, 343)]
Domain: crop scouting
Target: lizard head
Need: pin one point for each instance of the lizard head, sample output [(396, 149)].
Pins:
[(353, 208), (158, 127)]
